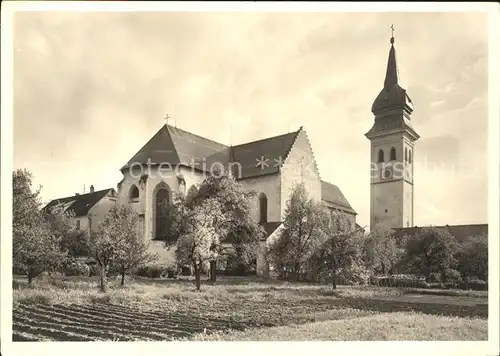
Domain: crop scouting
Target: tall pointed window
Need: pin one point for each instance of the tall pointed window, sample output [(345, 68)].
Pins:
[(393, 154), (406, 154), (263, 207), (409, 156), (380, 156), (161, 213)]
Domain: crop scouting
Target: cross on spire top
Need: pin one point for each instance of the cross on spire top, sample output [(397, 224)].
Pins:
[(166, 118)]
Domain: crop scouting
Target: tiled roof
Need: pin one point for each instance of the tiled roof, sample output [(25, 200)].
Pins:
[(79, 204), (175, 146), (330, 193), (461, 232), (191, 147), (271, 150), (159, 149)]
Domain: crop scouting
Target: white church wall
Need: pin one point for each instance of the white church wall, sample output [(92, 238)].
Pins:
[(300, 166), (132, 177), (270, 186)]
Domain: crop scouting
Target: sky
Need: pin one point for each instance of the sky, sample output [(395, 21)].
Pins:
[(91, 88)]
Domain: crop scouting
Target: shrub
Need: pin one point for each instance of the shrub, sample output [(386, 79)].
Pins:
[(476, 284), (453, 276), (403, 281), (171, 272), (76, 269), (186, 271), (434, 277), (239, 269), (153, 271)]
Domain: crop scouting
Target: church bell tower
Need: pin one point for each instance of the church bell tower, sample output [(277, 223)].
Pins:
[(392, 139)]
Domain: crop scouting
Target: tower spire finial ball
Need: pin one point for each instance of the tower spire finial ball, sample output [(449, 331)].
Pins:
[(392, 34)]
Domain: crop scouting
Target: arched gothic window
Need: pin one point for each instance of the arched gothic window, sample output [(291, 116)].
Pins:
[(393, 154), (133, 194), (409, 156), (380, 156), (406, 154), (263, 207)]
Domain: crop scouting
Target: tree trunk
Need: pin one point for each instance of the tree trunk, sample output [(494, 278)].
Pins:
[(30, 278), (213, 271), (334, 282), (104, 278), (197, 271), (122, 283)]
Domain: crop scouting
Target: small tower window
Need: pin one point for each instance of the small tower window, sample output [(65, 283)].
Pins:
[(406, 154), (409, 156), (380, 156), (393, 154)]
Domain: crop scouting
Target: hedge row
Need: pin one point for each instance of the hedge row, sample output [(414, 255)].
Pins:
[(415, 282)]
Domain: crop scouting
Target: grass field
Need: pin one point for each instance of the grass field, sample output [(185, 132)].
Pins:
[(241, 309)]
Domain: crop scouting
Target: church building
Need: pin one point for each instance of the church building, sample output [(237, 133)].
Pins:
[(176, 161)]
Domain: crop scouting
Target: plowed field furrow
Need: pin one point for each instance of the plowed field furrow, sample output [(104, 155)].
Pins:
[(133, 329), (74, 315), (67, 327), (49, 333), (87, 313), (108, 312), (194, 324), (177, 317), (105, 310), (163, 326), (22, 336), (73, 322)]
